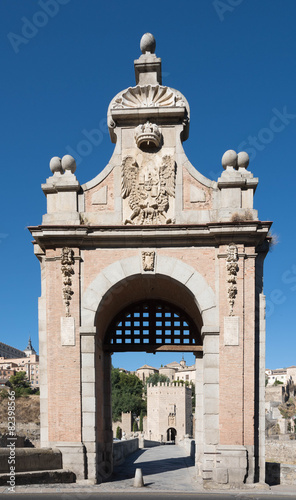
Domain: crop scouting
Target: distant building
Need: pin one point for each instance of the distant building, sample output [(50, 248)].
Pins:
[(7, 351), (169, 412), (27, 362), (145, 371), (174, 371), (29, 349), (281, 375), (179, 371)]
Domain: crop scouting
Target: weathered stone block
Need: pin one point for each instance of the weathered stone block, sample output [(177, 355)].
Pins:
[(220, 476), (87, 343)]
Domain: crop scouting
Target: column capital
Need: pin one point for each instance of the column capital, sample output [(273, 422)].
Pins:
[(210, 330), (87, 330)]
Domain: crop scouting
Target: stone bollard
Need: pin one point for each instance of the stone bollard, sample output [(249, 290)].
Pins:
[(138, 481)]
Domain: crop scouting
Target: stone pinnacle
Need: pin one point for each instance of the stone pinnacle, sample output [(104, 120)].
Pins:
[(147, 43)]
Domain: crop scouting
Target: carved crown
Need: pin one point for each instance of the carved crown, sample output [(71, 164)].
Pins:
[(148, 134)]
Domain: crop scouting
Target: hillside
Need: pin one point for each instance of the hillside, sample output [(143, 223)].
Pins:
[(27, 410)]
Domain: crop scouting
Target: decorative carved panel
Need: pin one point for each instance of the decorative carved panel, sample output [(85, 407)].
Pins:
[(172, 420), (232, 269), (148, 97), (148, 259), (67, 272), (148, 188), (147, 134)]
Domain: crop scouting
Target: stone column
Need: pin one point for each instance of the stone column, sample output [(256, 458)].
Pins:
[(262, 332), (88, 399), (104, 431), (43, 383), (199, 414), (210, 335)]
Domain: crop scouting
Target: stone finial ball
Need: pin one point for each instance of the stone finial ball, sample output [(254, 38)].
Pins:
[(68, 163), (147, 43), (55, 165), (229, 159), (243, 159)]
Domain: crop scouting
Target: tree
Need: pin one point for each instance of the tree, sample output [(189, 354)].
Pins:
[(155, 378), (135, 426), (118, 432), (193, 396), (288, 411), (20, 384), (19, 380), (127, 390), (277, 382), (141, 422)]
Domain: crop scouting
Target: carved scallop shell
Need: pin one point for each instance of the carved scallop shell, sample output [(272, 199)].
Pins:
[(148, 97)]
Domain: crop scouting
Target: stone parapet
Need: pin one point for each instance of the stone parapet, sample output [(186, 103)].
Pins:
[(121, 449), (31, 459)]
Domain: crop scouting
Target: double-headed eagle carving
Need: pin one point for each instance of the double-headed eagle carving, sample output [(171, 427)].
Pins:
[(148, 190)]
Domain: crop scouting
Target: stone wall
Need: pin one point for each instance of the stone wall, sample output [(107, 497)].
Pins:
[(125, 424), (121, 449), (280, 451), (30, 431), (273, 393), (189, 445), (30, 459)]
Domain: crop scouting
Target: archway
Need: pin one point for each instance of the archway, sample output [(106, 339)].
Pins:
[(171, 434), (151, 227), (183, 293), (151, 325)]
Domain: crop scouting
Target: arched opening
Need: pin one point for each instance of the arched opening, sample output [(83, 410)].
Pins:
[(151, 325), (120, 286), (171, 435), (143, 313), (138, 287)]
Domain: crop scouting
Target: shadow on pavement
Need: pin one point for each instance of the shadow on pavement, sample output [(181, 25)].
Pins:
[(128, 468)]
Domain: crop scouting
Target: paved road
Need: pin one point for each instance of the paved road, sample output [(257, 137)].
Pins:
[(168, 475), (165, 468)]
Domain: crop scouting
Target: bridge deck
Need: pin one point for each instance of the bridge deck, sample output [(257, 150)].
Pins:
[(163, 467)]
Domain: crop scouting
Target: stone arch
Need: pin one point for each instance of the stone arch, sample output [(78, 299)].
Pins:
[(98, 303), (124, 269)]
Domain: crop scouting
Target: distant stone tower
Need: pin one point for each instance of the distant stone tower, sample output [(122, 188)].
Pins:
[(169, 412), (150, 255), (29, 349)]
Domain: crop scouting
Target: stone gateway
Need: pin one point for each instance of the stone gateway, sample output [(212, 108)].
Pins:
[(150, 255)]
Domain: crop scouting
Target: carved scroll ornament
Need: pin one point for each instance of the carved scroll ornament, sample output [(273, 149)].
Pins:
[(232, 269), (67, 272)]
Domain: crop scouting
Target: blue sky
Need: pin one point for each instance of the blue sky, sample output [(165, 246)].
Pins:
[(234, 60)]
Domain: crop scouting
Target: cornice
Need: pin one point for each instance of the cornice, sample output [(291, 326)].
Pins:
[(183, 235)]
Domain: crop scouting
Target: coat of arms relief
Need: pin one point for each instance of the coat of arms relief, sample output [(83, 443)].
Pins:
[(148, 186)]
